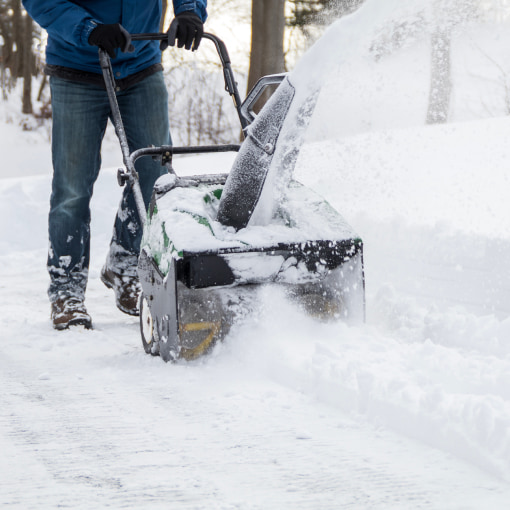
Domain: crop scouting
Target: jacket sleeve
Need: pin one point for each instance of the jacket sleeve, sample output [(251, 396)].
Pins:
[(63, 18), (199, 7)]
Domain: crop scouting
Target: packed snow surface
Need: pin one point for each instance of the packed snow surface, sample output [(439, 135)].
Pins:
[(410, 410)]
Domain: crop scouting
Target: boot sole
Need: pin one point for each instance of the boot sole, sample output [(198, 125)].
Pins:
[(86, 323)]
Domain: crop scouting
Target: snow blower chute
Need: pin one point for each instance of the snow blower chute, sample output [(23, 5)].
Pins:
[(210, 241)]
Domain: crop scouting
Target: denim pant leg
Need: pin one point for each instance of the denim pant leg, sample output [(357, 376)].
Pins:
[(144, 111), (80, 114)]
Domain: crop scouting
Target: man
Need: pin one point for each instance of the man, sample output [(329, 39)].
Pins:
[(80, 113)]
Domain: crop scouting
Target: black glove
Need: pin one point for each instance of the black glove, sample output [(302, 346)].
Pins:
[(111, 37), (186, 27)]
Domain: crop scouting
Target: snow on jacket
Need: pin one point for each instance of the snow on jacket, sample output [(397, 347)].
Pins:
[(70, 22)]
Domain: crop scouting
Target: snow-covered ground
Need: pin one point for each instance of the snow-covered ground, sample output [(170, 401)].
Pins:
[(410, 410)]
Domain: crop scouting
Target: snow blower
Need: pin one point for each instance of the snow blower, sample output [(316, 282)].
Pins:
[(211, 241)]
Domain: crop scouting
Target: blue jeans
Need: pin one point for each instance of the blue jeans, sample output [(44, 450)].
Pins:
[(80, 116)]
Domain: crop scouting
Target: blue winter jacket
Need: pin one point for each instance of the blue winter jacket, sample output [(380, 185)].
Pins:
[(70, 22)]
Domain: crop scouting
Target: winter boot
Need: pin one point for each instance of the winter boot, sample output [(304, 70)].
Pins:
[(69, 311), (126, 288)]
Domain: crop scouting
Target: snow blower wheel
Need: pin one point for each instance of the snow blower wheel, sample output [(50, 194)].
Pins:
[(340, 295), (317, 302), (147, 330)]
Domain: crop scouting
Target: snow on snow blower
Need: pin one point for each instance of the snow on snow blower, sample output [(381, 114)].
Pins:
[(211, 241)]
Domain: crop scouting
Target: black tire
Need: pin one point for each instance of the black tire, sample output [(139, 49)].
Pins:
[(317, 301)]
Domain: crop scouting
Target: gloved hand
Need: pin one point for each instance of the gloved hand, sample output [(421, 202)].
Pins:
[(186, 27), (111, 37)]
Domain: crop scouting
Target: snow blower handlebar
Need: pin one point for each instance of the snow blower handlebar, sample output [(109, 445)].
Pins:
[(228, 74), (129, 174)]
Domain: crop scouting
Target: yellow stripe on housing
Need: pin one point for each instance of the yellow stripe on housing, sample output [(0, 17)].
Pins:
[(197, 351)]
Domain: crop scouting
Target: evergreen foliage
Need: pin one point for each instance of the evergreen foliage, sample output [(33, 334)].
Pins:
[(318, 12)]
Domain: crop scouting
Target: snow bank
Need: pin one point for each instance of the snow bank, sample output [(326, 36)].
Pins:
[(448, 399), (454, 176)]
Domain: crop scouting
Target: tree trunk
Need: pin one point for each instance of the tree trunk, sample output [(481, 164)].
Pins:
[(17, 31), (27, 65), (268, 23), (162, 23), (440, 82)]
